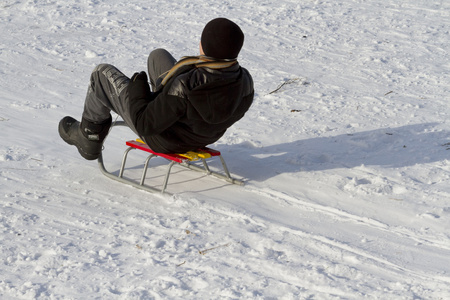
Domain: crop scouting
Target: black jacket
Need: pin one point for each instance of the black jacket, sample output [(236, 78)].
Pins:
[(193, 109)]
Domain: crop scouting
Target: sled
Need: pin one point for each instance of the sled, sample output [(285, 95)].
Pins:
[(181, 159)]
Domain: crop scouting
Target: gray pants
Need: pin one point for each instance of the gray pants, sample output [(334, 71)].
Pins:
[(108, 88)]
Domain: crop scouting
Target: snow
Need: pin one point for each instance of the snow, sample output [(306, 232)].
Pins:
[(347, 164)]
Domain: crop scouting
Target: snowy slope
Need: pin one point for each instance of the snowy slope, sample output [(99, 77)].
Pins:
[(346, 165)]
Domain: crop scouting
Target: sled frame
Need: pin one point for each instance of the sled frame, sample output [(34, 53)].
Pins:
[(184, 160)]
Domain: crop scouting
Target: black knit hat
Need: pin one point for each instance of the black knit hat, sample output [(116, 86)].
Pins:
[(222, 38)]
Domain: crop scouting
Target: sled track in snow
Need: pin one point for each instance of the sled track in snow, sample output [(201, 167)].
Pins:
[(348, 217)]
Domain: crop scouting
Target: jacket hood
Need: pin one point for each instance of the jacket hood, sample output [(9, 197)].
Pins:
[(216, 101)]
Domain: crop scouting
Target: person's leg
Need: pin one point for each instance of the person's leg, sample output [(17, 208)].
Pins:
[(159, 62), (107, 91)]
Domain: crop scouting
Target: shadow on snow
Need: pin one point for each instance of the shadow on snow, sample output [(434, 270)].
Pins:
[(389, 147)]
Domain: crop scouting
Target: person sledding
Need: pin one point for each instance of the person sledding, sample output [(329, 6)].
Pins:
[(191, 102)]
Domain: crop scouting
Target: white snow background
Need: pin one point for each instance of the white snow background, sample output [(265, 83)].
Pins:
[(347, 166)]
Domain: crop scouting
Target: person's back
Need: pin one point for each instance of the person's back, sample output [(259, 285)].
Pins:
[(203, 101)]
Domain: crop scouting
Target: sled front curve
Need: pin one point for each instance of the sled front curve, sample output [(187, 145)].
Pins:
[(182, 159)]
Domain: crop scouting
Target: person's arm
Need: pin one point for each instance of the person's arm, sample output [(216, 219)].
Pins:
[(152, 113)]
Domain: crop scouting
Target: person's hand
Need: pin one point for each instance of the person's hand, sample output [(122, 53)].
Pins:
[(138, 87), (139, 76)]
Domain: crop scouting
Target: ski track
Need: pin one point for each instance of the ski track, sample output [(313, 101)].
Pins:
[(346, 165)]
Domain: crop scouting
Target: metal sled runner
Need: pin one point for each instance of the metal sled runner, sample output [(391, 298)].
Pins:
[(183, 159)]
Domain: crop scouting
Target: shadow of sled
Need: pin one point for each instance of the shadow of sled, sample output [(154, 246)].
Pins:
[(184, 159)]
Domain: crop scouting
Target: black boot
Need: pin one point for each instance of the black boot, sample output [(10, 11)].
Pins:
[(88, 137)]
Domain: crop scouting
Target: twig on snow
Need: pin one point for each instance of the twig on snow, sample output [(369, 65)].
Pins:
[(290, 81), (179, 265), (203, 252)]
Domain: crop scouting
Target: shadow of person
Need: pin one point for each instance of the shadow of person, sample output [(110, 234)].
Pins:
[(388, 147)]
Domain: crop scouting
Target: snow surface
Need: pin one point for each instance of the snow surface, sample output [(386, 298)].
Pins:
[(346, 165)]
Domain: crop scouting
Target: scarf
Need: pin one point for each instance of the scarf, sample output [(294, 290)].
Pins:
[(199, 62)]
